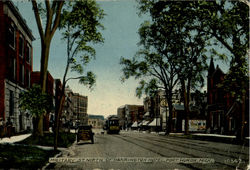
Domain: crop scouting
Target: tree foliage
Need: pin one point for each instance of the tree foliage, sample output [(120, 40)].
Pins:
[(80, 24), (47, 15), (176, 40), (35, 101), (81, 27)]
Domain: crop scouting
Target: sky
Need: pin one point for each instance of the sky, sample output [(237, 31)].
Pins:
[(121, 24)]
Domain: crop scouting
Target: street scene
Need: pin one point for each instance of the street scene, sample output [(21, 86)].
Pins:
[(124, 84), (134, 150)]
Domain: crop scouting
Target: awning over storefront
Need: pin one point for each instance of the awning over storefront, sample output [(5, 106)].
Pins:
[(144, 123), (135, 124), (155, 122), (146, 114)]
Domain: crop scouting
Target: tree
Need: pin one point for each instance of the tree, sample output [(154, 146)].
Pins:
[(37, 103), (189, 45), (210, 18), (51, 14), (234, 16), (176, 44), (153, 65), (80, 24)]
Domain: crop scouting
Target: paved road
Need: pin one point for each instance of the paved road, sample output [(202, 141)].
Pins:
[(131, 150)]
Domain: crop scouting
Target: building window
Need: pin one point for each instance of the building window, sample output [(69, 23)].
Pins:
[(11, 36), (28, 78), (13, 69), (28, 54), (11, 103), (21, 46), (21, 73)]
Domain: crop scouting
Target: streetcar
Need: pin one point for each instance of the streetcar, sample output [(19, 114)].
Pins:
[(112, 125)]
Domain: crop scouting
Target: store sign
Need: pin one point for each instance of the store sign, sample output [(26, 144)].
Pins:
[(195, 125)]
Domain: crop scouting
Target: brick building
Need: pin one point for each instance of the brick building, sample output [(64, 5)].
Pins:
[(223, 113), (16, 64), (128, 114), (80, 103)]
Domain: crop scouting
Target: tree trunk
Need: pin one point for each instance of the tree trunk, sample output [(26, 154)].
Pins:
[(170, 118), (58, 114), (40, 126), (43, 80), (186, 106), (44, 63), (242, 134)]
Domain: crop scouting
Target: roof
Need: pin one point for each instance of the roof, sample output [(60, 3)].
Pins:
[(112, 117), (121, 107), (20, 19), (218, 71), (178, 107), (96, 117)]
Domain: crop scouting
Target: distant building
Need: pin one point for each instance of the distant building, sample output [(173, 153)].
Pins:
[(96, 121), (156, 109), (16, 64), (128, 114), (80, 107), (121, 116), (68, 115)]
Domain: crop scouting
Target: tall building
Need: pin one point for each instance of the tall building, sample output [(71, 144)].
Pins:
[(80, 103), (16, 64)]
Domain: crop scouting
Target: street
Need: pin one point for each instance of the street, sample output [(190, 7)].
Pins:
[(134, 150)]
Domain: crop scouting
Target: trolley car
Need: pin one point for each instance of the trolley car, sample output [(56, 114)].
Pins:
[(112, 125)]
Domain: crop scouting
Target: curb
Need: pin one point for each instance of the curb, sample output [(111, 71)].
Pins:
[(56, 156), (48, 164)]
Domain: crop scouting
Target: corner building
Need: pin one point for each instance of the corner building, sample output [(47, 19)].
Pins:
[(15, 64)]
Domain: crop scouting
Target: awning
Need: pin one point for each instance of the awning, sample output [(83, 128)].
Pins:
[(155, 122), (143, 123), (135, 124), (146, 114)]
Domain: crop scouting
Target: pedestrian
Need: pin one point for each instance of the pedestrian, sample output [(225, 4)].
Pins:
[(9, 127), (1, 127)]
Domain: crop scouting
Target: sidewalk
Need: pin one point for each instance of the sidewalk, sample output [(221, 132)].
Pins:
[(14, 139), (211, 137)]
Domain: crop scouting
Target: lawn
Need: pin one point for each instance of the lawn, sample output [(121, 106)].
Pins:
[(64, 140), (23, 157)]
